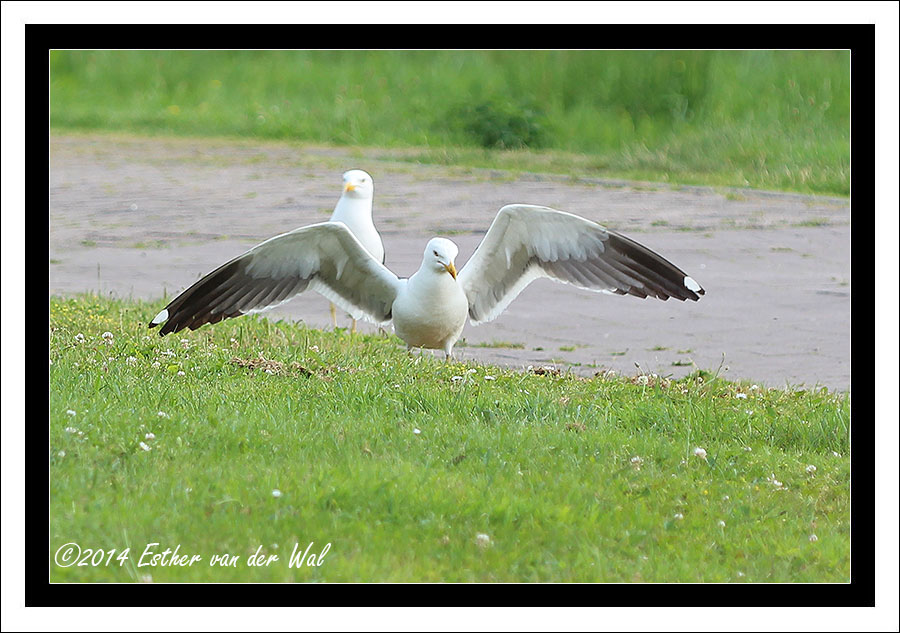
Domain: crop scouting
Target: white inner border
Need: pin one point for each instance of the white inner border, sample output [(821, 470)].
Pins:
[(12, 250)]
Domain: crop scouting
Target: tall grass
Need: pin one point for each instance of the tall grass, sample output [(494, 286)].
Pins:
[(760, 118)]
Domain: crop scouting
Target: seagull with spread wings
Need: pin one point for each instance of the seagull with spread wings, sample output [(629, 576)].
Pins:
[(429, 310)]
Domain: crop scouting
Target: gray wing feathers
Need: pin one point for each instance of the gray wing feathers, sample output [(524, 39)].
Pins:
[(325, 257), (527, 242)]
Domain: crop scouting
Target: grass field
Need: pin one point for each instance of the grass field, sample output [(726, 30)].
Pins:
[(415, 469), (765, 119)]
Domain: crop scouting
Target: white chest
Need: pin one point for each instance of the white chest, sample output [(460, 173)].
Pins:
[(358, 218), (431, 311)]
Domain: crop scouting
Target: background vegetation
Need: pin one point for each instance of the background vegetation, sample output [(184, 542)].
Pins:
[(771, 119)]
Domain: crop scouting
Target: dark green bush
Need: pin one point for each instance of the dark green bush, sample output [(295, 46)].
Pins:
[(500, 124)]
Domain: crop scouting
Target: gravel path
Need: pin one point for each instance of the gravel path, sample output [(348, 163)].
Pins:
[(140, 217)]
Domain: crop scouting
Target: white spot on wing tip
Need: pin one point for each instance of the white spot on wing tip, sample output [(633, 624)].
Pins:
[(690, 284), (159, 318)]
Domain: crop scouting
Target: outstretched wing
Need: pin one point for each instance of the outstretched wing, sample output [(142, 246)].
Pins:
[(325, 257), (526, 242)]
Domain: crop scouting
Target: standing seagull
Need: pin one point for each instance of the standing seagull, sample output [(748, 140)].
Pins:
[(355, 210), (429, 309)]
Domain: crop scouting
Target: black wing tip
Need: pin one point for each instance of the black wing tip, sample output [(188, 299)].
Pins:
[(162, 331), (163, 318), (695, 290)]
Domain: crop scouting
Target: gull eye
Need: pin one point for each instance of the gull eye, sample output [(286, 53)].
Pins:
[(435, 253)]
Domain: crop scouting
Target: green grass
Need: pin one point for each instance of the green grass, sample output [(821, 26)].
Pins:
[(769, 119), (571, 479)]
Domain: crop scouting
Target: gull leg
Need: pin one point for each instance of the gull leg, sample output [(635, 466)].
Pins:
[(333, 316), (353, 329)]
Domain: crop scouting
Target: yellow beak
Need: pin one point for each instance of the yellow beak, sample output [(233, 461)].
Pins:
[(451, 269), (349, 187)]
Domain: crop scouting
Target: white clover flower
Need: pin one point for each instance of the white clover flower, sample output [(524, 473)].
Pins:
[(741, 396), (276, 493), (146, 578), (79, 338), (456, 378), (416, 431), (483, 540), (747, 449), (131, 360), (70, 412), (108, 337), (181, 373), (144, 446), (71, 429), (835, 453), (270, 372), (312, 348), (155, 364), (721, 523), (167, 352), (637, 462), (472, 371), (813, 538), (162, 414), (771, 479), (490, 378), (642, 380), (699, 452), (754, 387), (678, 516), (810, 469), (61, 454), (149, 436)]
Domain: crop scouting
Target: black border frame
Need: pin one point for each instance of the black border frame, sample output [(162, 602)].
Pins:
[(858, 38)]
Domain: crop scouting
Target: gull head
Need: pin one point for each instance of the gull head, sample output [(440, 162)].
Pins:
[(440, 256), (358, 184)]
